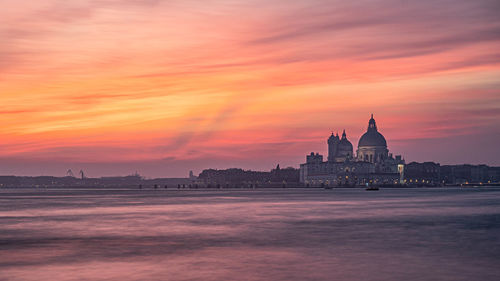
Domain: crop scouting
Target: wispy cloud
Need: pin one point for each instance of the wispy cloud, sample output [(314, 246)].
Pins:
[(117, 80)]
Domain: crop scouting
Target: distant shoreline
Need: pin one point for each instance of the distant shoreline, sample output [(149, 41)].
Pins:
[(150, 188)]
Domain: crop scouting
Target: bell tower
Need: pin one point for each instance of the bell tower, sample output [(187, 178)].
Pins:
[(333, 146)]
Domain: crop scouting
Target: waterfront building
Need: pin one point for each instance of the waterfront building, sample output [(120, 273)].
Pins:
[(239, 177), (466, 173), (423, 174), (372, 164)]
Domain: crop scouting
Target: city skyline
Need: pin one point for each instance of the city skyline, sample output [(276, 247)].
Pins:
[(164, 87)]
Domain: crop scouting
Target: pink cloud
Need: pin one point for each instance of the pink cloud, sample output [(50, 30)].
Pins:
[(246, 83)]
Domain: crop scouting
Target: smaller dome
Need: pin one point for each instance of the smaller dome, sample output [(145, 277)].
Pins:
[(345, 144)]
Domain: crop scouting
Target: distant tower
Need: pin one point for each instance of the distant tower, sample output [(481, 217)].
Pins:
[(191, 175), (333, 144)]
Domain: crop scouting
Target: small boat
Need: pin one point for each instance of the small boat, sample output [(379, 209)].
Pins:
[(372, 188)]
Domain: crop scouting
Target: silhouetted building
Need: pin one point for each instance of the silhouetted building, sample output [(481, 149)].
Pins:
[(460, 174), (243, 178), (494, 174), (287, 175), (339, 149), (68, 181), (373, 164), (423, 174), (192, 177)]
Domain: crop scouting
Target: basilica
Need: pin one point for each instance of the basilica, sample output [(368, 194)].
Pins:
[(372, 163)]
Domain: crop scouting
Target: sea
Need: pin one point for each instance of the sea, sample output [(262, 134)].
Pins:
[(252, 234)]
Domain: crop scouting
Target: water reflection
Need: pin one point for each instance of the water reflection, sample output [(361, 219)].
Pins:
[(394, 234)]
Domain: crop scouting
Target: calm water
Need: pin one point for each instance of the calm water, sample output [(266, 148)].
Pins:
[(346, 234)]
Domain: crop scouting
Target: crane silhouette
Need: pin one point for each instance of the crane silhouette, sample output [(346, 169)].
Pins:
[(69, 173)]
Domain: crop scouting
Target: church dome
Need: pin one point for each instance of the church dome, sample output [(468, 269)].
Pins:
[(372, 137), (344, 144)]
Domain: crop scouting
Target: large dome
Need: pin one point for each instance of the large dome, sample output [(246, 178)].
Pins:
[(372, 137)]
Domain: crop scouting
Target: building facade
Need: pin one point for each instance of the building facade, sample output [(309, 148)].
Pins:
[(423, 174), (372, 164)]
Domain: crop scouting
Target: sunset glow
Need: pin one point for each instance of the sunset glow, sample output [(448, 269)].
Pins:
[(164, 87)]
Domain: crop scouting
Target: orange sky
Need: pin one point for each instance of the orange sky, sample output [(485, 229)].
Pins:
[(162, 87)]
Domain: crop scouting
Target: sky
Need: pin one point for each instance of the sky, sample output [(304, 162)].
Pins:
[(164, 87)]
